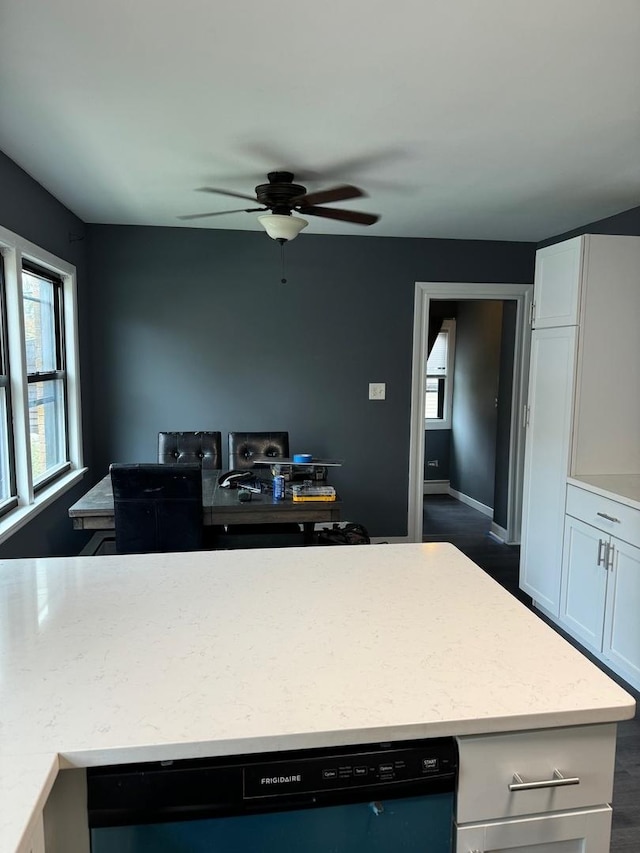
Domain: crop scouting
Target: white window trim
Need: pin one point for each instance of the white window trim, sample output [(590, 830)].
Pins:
[(15, 250), (445, 422)]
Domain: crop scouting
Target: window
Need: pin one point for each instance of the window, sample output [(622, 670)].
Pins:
[(40, 429), (439, 378), (44, 345), (7, 477)]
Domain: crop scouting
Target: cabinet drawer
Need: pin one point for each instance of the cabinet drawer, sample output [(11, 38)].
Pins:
[(587, 831), (599, 511), (488, 764)]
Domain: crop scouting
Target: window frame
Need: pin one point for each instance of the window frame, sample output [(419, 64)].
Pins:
[(59, 371), (31, 499), (448, 325)]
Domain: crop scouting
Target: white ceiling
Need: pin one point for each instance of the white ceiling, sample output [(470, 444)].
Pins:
[(483, 119)]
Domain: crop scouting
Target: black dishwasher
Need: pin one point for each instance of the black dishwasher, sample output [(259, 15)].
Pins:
[(362, 799)]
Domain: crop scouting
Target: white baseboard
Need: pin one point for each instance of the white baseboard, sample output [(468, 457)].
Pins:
[(435, 487), (498, 533), (465, 499)]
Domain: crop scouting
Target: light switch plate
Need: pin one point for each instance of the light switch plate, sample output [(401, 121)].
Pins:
[(377, 390)]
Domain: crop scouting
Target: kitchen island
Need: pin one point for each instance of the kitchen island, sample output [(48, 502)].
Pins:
[(108, 660)]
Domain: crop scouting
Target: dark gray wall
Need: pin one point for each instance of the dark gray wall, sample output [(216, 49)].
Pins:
[(192, 329), (503, 425), (437, 443), (475, 389), (30, 211), (627, 222)]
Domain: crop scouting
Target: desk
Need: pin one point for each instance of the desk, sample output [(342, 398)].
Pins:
[(94, 511)]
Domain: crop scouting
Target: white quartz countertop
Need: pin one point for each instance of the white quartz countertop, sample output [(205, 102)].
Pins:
[(106, 660), (619, 487)]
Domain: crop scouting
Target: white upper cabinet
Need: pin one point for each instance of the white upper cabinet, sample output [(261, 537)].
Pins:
[(593, 282), (557, 284), (584, 395), (606, 437)]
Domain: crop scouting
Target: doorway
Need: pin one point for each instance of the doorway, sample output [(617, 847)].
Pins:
[(425, 294)]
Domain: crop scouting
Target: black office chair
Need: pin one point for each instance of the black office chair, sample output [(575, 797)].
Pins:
[(244, 447), (158, 507), (202, 448)]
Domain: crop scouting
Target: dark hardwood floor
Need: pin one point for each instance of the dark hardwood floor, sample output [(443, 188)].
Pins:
[(447, 520)]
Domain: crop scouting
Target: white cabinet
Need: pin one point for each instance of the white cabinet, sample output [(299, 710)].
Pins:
[(584, 582), (583, 411), (546, 465), (601, 580), (587, 831), (536, 792), (557, 284)]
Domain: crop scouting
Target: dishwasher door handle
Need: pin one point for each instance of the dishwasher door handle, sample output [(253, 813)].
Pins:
[(558, 781)]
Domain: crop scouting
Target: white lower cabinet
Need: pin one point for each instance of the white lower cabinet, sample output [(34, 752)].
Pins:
[(544, 791), (584, 582), (585, 831), (601, 582)]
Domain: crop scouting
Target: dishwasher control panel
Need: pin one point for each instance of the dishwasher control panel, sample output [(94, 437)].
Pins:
[(431, 759)]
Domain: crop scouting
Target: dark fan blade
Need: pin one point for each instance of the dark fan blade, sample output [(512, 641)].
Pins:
[(221, 212), (341, 193), (355, 216), (226, 192)]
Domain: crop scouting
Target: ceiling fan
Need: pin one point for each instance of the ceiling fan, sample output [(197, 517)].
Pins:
[(282, 198)]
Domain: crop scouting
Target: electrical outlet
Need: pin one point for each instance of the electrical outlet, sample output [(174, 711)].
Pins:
[(377, 390)]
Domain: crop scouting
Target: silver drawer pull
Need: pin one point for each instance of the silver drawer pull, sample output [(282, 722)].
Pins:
[(609, 517), (558, 781)]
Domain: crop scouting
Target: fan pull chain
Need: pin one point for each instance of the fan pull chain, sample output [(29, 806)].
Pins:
[(283, 280)]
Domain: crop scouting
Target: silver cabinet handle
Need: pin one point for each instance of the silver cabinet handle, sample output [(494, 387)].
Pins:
[(558, 781), (609, 517), (610, 555), (601, 553)]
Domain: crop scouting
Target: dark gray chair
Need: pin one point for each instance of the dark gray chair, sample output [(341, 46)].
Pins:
[(244, 447), (201, 448), (158, 507)]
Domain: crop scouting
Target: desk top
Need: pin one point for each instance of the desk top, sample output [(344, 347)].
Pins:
[(222, 504), (165, 656)]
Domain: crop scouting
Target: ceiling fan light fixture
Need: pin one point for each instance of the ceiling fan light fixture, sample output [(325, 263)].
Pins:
[(282, 227)]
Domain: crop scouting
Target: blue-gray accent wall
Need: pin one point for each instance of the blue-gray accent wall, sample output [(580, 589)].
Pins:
[(187, 328), (192, 329)]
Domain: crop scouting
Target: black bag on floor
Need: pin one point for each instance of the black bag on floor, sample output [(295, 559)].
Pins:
[(350, 534)]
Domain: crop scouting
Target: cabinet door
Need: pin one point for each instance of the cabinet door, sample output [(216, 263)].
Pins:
[(556, 286), (548, 439), (584, 582), (587, 831), (622, 626)]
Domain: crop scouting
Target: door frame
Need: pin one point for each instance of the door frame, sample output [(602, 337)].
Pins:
[(425, 291)]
